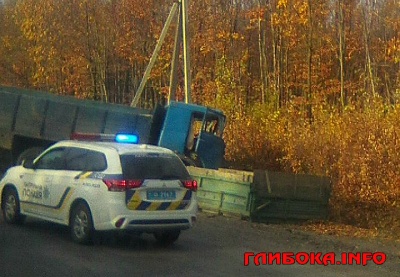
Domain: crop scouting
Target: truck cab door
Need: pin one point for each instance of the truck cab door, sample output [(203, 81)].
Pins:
[(210, 149)]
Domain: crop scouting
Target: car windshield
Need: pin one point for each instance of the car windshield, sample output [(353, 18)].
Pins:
[(153, 166)]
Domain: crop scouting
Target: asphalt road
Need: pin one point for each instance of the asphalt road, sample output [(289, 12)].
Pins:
[(214, 247)]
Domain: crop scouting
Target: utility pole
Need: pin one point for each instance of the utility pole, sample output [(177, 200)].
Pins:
[(179, 7), (186, 52)]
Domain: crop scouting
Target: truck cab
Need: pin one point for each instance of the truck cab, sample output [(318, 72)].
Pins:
[(195, 133)]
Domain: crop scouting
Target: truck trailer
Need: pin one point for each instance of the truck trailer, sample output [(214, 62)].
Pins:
[(31, 120)]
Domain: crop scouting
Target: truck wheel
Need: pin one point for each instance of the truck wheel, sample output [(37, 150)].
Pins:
[(11, 207), (166, 238), (81, 224), (29, 154)]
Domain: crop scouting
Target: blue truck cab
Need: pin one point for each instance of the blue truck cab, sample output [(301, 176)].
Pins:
[(195, 132)]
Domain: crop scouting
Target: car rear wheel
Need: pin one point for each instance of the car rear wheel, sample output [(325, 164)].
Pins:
[(11, 207), (167, 237), (81, 224)]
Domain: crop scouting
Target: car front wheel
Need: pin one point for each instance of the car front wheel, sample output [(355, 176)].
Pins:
[(81, 224), (11, 207)]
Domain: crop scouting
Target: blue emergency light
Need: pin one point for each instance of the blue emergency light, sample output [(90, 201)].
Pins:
[(127, 138)]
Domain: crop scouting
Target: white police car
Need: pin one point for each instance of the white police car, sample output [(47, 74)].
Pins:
[(94, 186)]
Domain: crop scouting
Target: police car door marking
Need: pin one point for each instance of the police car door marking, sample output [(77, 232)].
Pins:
[(58, 206), (32, 191), (62, 198)]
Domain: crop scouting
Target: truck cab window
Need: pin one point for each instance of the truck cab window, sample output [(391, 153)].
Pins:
[(194, 130), (211, 126)]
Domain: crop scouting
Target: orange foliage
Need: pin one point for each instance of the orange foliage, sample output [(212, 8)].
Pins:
[(358, 149)]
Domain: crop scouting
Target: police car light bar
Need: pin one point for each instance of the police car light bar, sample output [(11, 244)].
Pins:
[(127, 138), (121, 138)]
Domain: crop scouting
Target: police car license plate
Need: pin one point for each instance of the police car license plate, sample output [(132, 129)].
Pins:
[(161, 195)]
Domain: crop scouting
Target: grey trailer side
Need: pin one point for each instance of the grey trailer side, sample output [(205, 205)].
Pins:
[(37, 119)]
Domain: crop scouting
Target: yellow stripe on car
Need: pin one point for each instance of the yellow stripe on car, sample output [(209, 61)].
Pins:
[(154, 206), (135, 201), (85, 175), (174, 205)]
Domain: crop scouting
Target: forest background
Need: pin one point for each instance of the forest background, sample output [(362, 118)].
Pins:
[(308, 86)]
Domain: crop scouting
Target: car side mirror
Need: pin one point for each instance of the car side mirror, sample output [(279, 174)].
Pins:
[(28, 164)]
